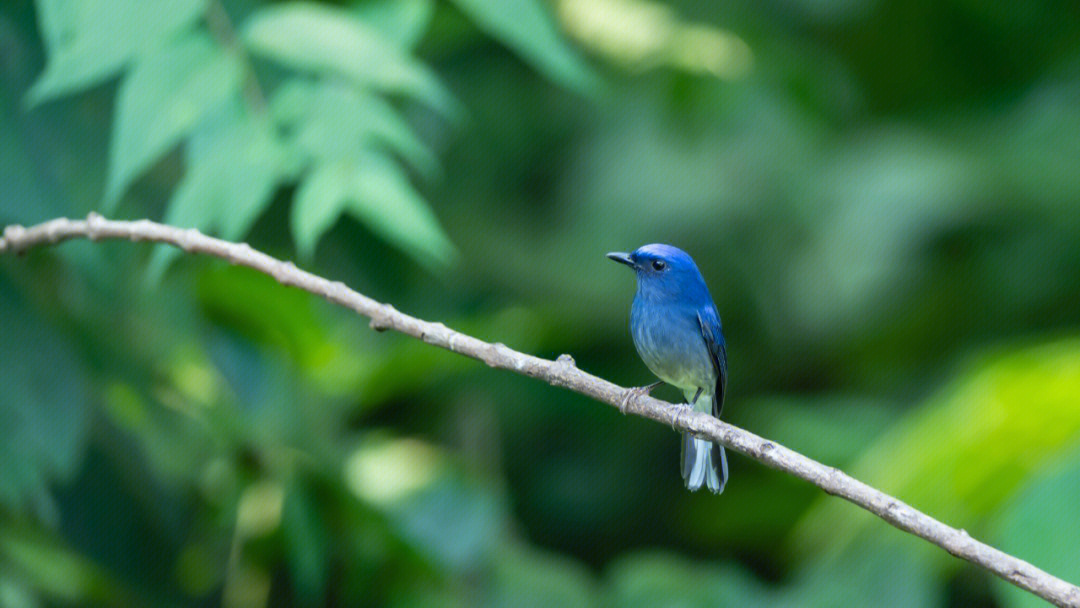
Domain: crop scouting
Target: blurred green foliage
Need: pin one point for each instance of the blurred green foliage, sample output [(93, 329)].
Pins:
[(991, 430), (882, 196)]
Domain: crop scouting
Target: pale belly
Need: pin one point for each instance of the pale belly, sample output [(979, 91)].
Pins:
[(672, 348)]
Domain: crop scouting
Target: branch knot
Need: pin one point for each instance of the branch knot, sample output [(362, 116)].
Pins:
[(13, 236)]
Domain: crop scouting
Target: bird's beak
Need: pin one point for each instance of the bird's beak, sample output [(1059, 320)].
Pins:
[(622, 258)]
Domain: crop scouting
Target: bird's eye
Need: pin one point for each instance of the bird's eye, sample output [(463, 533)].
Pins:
[(659, 265)]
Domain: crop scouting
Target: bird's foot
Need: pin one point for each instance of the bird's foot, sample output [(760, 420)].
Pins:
[(678, 412), (634, 393)]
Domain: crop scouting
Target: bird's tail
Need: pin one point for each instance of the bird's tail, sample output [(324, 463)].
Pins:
[(703, 463)]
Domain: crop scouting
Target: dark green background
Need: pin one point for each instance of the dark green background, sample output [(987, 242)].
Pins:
[(882, 196)]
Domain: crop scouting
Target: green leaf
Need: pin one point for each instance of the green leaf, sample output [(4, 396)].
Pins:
[(333, 120), (164, 97), (320, 201), (234, 165), (387, 203), (89, 41), (237, 167), (402, 21), (373, 189), (1040, 526), (528, 27), (328, 40)]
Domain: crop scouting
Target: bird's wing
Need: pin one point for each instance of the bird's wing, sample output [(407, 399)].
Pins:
[(711, 331)]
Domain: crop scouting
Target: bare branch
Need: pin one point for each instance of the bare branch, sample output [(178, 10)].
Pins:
[(563, 372)]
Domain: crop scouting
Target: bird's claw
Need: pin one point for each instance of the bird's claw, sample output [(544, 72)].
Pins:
[(634, 393), (675, 415)]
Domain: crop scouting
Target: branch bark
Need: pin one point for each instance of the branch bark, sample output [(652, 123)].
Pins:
[(564, 373)]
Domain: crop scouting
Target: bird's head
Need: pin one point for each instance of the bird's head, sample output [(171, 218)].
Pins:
[(664, 272)]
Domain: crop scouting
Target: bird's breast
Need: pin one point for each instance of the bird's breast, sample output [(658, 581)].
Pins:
[(669, 340)]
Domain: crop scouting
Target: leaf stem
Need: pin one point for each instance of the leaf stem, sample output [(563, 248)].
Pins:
[(221, 28)]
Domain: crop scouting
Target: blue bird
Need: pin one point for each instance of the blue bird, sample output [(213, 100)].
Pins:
[(677, 332)]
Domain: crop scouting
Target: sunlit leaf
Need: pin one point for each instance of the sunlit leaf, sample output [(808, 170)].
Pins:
[(642, 34), (165, 96), (528, 27), (285, 320), (373, 189), (332, 120), (329, 40), (91, 40)]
